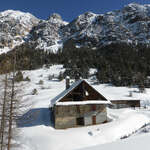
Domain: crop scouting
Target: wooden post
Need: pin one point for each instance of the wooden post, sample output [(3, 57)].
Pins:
[(67, 82)]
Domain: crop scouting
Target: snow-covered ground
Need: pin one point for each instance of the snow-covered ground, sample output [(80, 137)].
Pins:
[(136, 143), (37, 132)]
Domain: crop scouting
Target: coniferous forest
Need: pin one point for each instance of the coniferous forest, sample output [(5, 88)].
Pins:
[(119, 64)]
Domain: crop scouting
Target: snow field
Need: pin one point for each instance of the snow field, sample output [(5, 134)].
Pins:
[(37, 132)]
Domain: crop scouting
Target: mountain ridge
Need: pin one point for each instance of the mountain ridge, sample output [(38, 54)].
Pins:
[(131, 25), (14, 28)]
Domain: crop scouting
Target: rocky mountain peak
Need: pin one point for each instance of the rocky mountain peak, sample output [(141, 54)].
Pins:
[(134, 7), (14, 27), (47, 33), (20, 17), (86, 16), (84, 19), (131, 24), (54, 17)]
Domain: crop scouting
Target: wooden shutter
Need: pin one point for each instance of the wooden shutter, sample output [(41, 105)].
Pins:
[(93, 119)]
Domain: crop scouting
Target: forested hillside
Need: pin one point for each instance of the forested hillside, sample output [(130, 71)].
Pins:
[(119, 64)]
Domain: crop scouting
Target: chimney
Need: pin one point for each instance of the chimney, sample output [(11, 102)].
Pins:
[(67, 82)]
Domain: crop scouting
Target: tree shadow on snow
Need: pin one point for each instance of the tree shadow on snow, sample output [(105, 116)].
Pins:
[(36, 117)]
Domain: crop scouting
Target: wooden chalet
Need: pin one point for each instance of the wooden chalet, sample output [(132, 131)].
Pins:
[(79, 105)]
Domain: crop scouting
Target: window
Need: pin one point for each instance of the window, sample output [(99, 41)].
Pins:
[(80, 121)]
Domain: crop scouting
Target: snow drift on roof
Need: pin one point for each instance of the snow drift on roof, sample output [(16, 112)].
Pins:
[(84, 102)]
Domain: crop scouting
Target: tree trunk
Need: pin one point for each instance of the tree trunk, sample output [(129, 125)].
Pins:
[(11, 104), (3, 117)]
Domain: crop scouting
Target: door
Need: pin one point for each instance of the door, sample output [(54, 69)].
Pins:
[(94, 120), (80, 121)]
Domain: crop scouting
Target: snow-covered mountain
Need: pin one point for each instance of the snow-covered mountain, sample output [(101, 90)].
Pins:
[(14, 28), (131, 24), (47, 34)]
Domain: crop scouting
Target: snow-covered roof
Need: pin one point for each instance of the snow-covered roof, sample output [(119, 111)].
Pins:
[(131, 99), (65, 92), (84, 102)]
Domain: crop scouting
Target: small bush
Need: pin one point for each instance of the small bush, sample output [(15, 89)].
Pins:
[(41, 82), (141, 88), (50, 77), (19, 76), (34, 92), (27, 79)]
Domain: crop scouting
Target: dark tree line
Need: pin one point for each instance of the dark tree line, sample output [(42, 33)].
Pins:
[(28, 58), (119, 64), (123, 64)]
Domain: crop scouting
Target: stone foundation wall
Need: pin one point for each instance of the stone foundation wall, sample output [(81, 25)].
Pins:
[(65, 122), (66, 116), (101, 117)]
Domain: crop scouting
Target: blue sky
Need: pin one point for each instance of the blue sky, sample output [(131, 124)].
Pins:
[(68, 9)]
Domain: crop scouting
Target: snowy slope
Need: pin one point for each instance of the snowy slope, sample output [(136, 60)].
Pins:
[(136, 143), (45, 137), (37, 132), (25, 18)]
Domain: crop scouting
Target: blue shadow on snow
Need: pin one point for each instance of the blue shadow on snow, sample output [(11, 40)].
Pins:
[(36, 117)]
